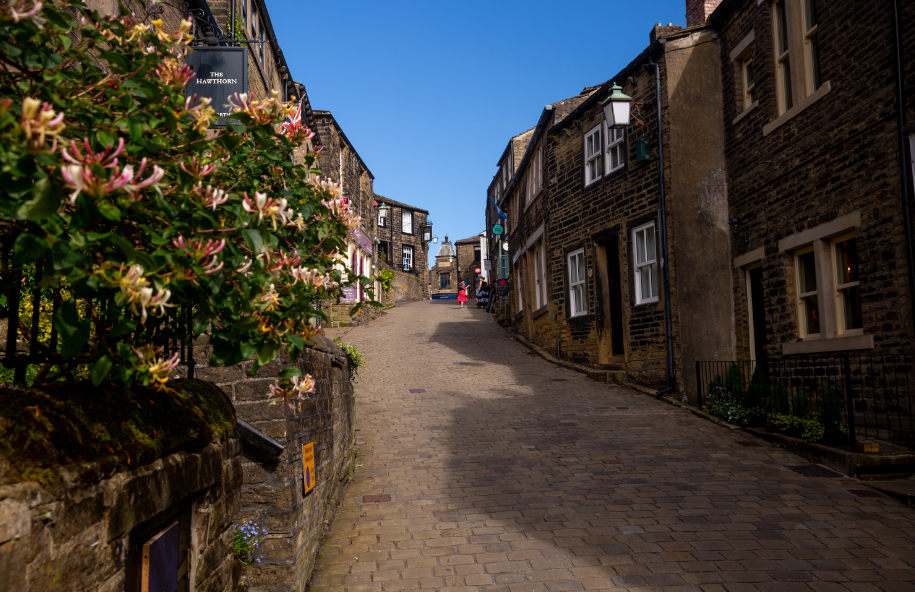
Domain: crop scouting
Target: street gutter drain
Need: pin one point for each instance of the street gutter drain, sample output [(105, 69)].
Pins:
[(747, 444), (866, 493), (371, 499), (559, 380), (418, 391), (462, 363), (816, 471)]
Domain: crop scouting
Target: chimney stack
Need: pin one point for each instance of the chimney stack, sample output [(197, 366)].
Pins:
[(698, 11)]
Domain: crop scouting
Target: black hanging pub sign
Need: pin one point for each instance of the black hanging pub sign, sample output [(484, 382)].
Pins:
[(220, 73)]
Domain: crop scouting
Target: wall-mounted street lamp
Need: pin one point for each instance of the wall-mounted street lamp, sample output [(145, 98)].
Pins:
[(617, 107), (738, 233)]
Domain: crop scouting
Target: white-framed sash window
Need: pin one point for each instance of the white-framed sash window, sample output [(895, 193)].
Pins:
[(407, 257), (645, 242), (577, 301), (616, 148), (407, 222), (807, 293), (593, 162), (782, 56), (848, 285)]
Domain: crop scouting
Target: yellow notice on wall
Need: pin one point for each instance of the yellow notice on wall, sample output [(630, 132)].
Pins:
[(308, 464)]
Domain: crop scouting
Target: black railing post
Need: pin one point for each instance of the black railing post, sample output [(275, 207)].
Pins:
[(12, 329), (698, 384), (191, 362), (849, 403)]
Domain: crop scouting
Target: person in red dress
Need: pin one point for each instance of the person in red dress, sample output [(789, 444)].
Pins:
[(462, 293)]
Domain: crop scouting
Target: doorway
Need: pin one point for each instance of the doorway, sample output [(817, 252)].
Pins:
[(756, 305), (612, 337)]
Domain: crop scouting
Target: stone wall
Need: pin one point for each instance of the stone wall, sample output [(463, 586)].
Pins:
[(272, 493), (84, 529)]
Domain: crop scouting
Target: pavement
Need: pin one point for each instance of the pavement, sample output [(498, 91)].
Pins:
[(509, 474)]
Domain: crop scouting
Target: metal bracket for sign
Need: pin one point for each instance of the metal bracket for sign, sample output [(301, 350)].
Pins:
[(204, 21)]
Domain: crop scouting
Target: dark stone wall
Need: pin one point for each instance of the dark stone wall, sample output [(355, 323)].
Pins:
[(272, 492)]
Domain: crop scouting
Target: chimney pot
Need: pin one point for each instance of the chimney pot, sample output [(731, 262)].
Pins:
[(698, 11)]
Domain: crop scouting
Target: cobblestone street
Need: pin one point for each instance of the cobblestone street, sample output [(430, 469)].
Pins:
[(506, 473)]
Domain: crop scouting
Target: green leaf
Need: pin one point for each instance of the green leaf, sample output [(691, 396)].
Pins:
[(122, 328), (100, 369), (247, 350), (64, 257), (297, 341), (135, 126), (254, 239), (73, 331), (289, 373), (110, 211), (28, 248), (268, 353), (45, 201)]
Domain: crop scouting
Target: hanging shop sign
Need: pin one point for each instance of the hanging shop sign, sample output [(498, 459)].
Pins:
[(487, 263), (220, 72), (497, 229), (362, 240)]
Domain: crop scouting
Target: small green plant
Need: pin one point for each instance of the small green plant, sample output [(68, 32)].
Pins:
[(387, 281), (829, 409), (247, 541), (809, 430), (734, 383), (355, 358), (800, 405)]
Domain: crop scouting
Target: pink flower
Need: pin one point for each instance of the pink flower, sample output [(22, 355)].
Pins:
[(106, 159), (39, 121), (19, 12), (196, 169)]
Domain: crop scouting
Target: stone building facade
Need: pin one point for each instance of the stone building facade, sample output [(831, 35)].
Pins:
[(398, 236), (496, 198), (340, 162), (444, 277), (817, 174), (586, 233), (469, 259)]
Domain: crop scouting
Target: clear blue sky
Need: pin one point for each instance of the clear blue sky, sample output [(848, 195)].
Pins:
[(430, 92)]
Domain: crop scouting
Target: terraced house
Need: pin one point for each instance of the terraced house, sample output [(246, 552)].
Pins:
[(619, 240)]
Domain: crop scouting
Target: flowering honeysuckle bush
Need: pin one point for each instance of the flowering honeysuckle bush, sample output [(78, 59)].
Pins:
[(126, 206)]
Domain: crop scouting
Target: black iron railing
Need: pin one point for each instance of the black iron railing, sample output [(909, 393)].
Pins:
[(852, 396), (31, 336)]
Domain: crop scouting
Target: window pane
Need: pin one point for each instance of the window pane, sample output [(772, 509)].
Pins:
[(748, 68), (578, 299), (812, 315), (807, 273), (782, 26), (650, 242), (581, 267), (573, 271), (847, 261), (786, 72), (653, 273), (815, 60), (811, 10), (851, 300), (640, 247), (645, 282), (408, 222)]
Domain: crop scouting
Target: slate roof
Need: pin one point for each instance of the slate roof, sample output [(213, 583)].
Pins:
[(388, 201)]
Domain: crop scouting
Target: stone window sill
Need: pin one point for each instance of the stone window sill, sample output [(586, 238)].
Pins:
[(541, 311), (837, 344), (797, 109), (746, 111)]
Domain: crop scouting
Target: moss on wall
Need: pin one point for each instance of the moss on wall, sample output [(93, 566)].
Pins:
[(49, 426)]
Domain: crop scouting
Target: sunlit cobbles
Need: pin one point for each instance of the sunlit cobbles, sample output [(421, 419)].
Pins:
[(503, 479)]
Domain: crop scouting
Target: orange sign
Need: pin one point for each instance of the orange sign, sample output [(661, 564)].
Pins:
[(308, 465)]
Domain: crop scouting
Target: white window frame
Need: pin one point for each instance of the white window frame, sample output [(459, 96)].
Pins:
[(404, 249), (593, 153), (841, 329), (574, 282), (403, 218), (782, 36), (382, 220), (814, 77), (802, 331), (638, 266), (518, 288), (539, 276), (615, 145), (749, 88)]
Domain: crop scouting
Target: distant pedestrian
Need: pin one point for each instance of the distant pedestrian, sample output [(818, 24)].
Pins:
[(462, 293), (483, 295)]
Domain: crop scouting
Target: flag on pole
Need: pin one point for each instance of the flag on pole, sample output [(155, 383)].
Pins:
[(294, 121)]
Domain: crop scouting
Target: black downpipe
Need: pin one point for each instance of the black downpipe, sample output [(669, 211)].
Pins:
[(662, 231), (900, 108), (232, 21)]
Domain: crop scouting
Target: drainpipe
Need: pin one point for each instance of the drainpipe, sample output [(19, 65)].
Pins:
[(904, 176), (662, 231)]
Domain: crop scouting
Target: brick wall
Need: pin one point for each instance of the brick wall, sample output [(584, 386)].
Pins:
[(836, 157), (272, 492)]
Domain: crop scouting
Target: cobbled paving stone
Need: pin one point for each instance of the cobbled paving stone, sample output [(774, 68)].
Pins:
[(503, 479)]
